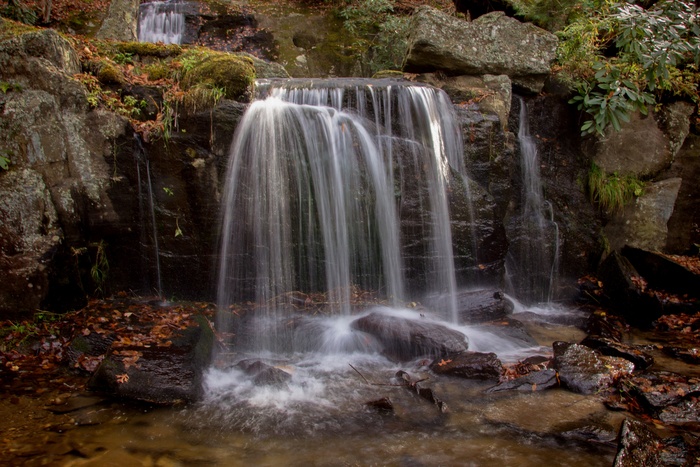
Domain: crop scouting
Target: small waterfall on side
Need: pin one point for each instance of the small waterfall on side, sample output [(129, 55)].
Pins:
[(336, 186), (533, 257), (152, 249), (161, 21)]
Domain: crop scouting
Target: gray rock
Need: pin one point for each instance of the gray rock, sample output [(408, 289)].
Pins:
[(406, 339), (264, 374), (674, 120), (121, 21), (492, 44), (29, 236), (46, 44), (640, 148), (644, 223), (586, 371), (266, 69), (682, 231)]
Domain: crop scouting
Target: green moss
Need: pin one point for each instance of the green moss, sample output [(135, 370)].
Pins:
[(234, 74), (105, 71), (147, 49), (10, 29), (388, 74), (158, 70)]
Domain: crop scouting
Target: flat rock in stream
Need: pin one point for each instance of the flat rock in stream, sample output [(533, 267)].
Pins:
[(638, 446), (470, 365), (531, 382), (586, 371), (163, 375), (611, 348), (406, 339)]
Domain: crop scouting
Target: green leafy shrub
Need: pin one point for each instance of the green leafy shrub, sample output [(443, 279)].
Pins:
[(619, 57), (379, 34)]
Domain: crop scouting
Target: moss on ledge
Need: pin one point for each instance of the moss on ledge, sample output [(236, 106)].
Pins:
[(232, 73), (148, 49)]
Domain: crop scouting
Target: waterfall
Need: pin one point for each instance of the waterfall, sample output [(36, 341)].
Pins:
[(152, 249), (161, 22), (533, 258), (339, 185)]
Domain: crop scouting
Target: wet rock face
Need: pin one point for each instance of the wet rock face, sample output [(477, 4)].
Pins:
[(562, 167), (407, 339), (497, 45)]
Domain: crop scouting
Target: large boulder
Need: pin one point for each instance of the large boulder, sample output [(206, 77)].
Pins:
[(475, 306), (640, 148), (682, 226), (29, 236), (644, 223), (492, 44), (410, 338), (121, 21), (60, 152)]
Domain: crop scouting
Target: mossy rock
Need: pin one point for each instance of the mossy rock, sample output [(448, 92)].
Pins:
[(105, 71), (10, 29), (234, 74), (388, 74), (148, 49)]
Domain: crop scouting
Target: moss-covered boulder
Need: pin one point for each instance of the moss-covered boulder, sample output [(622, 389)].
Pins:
[(232, 73)]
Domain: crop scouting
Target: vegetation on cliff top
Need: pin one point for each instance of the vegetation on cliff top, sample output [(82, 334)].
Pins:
[(621, 57)]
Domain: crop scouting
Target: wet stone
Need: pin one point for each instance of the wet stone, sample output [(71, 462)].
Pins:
[(476, 306), (510, 329), (611, 348), (470, 365), (264, 374), (658, 390), (531, 382), (383, 405), (638, 446), (586, 371), (406, 339)]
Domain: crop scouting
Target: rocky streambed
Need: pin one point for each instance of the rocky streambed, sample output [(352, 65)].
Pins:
[(117, 382)]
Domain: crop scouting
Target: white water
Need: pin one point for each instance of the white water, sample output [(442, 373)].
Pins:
[(317, 179), (161, 22)]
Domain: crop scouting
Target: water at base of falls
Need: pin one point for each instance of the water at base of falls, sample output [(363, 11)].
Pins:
[(161, 21)]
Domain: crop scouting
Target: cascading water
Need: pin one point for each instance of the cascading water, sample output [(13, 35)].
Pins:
[(318, 192), (152, 249), (533, 257), (161, 22)]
